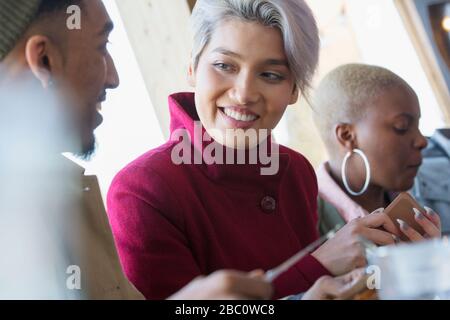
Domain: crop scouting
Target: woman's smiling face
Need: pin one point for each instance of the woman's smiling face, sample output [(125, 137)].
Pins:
[(242, 80)]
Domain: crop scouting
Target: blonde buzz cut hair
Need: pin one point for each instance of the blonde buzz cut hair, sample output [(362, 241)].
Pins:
[(345, 93)]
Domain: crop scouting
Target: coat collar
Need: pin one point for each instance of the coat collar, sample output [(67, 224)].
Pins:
[(442, 138), (184, 116), (73, 166)]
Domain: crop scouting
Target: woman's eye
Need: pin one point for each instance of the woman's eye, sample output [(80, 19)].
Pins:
[(223, 66), (272, 76), (402, 127), (401, 130)]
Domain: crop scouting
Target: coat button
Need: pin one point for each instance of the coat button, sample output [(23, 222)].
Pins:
[(268, 204)]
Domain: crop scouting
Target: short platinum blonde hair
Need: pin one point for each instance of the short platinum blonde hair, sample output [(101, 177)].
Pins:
[(293, 17), (345, 93)]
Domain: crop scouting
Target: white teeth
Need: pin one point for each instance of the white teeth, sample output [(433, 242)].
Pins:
[(239, 116)]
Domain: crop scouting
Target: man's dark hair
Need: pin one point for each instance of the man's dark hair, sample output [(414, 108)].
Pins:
[(52, 6)]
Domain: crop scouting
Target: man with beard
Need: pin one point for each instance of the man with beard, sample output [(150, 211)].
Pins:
[(37, 45)]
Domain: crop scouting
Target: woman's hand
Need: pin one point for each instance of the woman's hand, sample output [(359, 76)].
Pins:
[(430, 222), (227, 285), (343, 287), (345, 252)]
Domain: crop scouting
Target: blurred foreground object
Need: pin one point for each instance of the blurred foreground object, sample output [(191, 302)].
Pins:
[(35, 196), (413, 271)]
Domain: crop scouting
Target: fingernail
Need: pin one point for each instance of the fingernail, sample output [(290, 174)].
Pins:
[(379, 210), (396, 239), (430, 211), (418, 214), (256, 273), (403, 224)]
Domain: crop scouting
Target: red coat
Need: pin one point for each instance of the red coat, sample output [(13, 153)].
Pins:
[(172, 223)]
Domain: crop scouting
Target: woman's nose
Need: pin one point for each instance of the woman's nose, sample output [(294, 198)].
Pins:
[(421, 141), (245, 90)]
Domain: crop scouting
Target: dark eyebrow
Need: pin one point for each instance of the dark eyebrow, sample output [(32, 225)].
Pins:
[(276, 62), (107, 28), (227, 52), (408, 115)]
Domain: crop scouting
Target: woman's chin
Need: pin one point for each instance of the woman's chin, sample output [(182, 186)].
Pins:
[(404, 186), (238, 138)]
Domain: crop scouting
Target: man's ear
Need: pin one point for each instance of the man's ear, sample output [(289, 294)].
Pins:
[(42, 58), (191, 75), (346, 136), (294, 96)]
